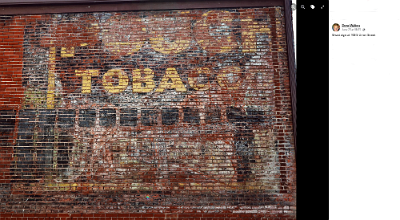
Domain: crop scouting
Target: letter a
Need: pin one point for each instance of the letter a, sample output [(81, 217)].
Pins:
[(176, 82)]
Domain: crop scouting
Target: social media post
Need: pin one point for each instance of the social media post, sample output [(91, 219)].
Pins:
[(350, 30), (353, 19), (355, 36), (353, 27), (354, 39), (363, 89)]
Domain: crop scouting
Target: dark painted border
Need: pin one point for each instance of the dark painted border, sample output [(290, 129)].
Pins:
[(292, 69), (28, 2), (87, 6)]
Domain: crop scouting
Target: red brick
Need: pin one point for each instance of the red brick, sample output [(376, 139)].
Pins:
[(180, 161)]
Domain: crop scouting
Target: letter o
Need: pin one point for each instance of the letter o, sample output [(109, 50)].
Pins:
[(194, 77), (122, 81)]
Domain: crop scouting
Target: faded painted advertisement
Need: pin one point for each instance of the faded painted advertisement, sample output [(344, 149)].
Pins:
[(155, 103)]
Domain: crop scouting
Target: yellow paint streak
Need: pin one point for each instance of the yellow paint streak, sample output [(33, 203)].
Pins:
[(51, 79), (162, 46), (120, 43), (67, 51), (87, 79), (249, 30), (117, 46), (147, 80), (122, 78), (176, 82)]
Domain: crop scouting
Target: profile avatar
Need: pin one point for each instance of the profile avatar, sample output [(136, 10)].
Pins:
[(336, 27)]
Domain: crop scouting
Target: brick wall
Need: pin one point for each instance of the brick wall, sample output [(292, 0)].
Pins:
[(146, 115)]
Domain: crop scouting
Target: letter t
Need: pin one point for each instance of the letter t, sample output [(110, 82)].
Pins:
[(87, 79)]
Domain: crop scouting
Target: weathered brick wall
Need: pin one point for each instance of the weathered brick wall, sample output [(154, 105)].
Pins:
[(160, 114)]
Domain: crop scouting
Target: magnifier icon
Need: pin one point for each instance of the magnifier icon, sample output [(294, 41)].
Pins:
[(302, 6)]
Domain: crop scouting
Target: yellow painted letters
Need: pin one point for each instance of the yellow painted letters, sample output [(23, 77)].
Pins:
[(51, 78), (122, 81), (176, 83), (87, 79), (143, 84)]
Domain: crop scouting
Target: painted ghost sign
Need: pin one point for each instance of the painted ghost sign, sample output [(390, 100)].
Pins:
[(185, 102)]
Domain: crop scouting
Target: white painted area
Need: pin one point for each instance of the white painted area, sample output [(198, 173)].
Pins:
[(364, 122)]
